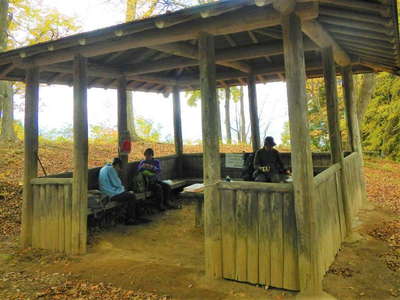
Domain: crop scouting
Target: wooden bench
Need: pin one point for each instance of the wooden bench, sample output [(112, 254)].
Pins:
[(174, 184)]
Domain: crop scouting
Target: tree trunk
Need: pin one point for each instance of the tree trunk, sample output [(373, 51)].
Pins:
[(6, 92), (7, 120), (131, 116), (219, 119), (242, 118), (228, 115), (365, 93)]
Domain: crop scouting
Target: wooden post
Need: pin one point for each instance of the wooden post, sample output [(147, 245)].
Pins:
[(310, 280), (123, 132), (351, 110), (80, 158), (211, 156), (352, 121), (178, 129), (31, 128), (255, 126), (334, 130)]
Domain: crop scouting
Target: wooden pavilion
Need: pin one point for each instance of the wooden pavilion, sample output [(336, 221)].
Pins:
[(281, 235)]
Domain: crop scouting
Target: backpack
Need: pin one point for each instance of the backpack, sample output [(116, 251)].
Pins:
[(139, 183), (248, 167), (97, 200)]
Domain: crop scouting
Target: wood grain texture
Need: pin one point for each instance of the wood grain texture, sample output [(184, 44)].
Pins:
[(228, 226)]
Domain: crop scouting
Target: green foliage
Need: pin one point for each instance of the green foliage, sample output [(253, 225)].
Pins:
[(147, 130), (381, 127), (101, 133), (31, 23)]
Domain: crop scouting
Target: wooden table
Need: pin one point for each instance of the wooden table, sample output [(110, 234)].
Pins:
[(198, 197)]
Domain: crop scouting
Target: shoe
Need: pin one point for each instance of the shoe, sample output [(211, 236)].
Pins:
[(143, 220)]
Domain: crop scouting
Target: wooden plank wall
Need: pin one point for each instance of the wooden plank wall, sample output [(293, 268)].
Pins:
[(193, 164), (330, 212), (259, 235), (353, 171), (52, 215)]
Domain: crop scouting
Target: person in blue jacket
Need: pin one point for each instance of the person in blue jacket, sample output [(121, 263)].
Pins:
[(111, 185)]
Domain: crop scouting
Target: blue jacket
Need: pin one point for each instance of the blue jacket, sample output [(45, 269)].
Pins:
[(109, 181)]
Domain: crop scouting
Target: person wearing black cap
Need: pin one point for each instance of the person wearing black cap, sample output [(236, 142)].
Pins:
[(267, 163), (111, 185)]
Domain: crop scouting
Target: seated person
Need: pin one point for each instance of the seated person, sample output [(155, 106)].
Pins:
[(110, 184), (151, 169), (267, 163)]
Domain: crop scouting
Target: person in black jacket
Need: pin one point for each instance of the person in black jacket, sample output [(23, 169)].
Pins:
[(267, 163)]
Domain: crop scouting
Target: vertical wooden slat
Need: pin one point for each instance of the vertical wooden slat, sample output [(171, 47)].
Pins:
[(42, 206), (335, 214), (291, 266), (55, 216), (61, 218), (31, 131), (68, 218), (241, 235), (277, 252), (36, 217), (252, 239), (264, 237), (47, 219), (228, 206), (340, 207)]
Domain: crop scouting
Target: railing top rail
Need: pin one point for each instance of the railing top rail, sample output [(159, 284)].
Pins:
[(46, 180), (255, 186), (328, 173)]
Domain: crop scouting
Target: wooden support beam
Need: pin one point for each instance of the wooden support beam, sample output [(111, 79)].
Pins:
[(334, 129), (7, 70), (123, 133), (285, 7), (31, 137), (178, 139), (254, 121), (322, 38), (211, 157), (80, 158), (304, 193), (251, 18), (189, 51)]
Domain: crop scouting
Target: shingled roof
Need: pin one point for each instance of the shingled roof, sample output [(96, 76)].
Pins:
[(160, 52)]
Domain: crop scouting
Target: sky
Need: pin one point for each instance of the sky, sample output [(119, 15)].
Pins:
[(56, 101)]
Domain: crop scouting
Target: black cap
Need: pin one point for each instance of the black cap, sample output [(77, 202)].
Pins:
[(269, 140)]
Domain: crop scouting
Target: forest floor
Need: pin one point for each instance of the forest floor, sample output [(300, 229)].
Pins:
[(164, 259)]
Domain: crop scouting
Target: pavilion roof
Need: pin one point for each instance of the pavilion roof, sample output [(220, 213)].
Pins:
[(159, 52)]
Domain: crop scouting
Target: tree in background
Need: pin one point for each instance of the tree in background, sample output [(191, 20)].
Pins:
[(381, 126), (228, 116), (25, 23)]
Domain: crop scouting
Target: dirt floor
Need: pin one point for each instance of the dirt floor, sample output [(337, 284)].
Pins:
[(164, 259)]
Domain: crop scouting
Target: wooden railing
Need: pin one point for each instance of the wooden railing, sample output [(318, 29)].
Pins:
[(54, 215), (258, 234), (330, 215)]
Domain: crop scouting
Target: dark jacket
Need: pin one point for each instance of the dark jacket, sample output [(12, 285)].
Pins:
[(270, 158)]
